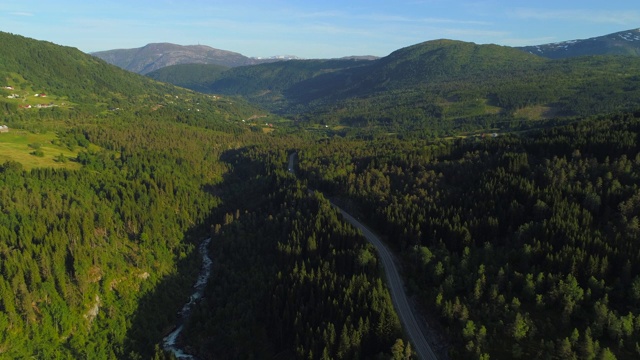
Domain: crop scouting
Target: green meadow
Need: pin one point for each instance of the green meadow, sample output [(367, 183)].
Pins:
[(23, 146)]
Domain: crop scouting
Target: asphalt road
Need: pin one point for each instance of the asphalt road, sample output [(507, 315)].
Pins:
[(394, 281), (396, 287)]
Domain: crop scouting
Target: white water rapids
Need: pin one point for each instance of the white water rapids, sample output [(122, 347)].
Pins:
[(169, 342)]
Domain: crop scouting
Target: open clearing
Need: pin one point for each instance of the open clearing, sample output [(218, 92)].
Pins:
[(14, 145)]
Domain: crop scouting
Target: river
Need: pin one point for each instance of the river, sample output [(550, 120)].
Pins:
[(169, 342)]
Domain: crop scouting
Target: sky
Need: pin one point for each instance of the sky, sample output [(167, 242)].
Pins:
[(312, 28)]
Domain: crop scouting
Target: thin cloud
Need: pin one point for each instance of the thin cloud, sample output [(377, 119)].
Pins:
[(320, 14), (423, 2), (601, 17), (454, 21), (375, 17), (400, 18), (322, 28), (473, 32), (20, 13)]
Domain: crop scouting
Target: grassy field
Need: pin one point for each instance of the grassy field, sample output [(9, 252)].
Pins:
[(536, 112), (18, 145)]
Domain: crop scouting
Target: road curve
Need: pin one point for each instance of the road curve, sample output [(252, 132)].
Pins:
[(396, 287), (394, 281)]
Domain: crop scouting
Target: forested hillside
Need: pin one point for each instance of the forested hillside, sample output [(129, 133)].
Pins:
[(79, 248), (435, 88), (82, 86), (190, 76), (269, 84), (46, 67), (290, 278), (522, 246), (82, 246)]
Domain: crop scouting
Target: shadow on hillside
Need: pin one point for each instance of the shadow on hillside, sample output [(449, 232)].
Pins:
[(158, 310)]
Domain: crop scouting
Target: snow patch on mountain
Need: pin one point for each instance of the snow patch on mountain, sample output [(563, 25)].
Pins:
[(630, 36)]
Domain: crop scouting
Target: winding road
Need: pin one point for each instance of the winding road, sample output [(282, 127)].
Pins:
[(394, 281)]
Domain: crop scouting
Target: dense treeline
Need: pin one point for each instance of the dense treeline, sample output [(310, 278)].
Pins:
[(525, 244), (290, 278), (80, 248)]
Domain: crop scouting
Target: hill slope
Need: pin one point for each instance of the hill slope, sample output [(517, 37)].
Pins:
[(437, 84), (66, 70), (307, 80), (428, 63), (619, 43), (190, 76), (97, 253), (78, 84)]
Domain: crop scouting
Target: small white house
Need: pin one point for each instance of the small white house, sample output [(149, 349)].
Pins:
[(4, 128)]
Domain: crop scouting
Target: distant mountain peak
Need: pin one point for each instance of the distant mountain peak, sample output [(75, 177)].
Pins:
[(620, 43), (155, 56)]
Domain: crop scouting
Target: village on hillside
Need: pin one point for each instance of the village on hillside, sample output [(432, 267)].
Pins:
[(26, 102)]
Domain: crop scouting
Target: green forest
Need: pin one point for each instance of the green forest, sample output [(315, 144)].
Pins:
[(432, 89), (522, 245), (515, 233), (315, 290)]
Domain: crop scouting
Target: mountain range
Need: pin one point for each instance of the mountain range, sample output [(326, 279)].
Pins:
[(452, 83), (155, 56)]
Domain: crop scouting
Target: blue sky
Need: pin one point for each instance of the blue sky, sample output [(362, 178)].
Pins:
[(312, 29)]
